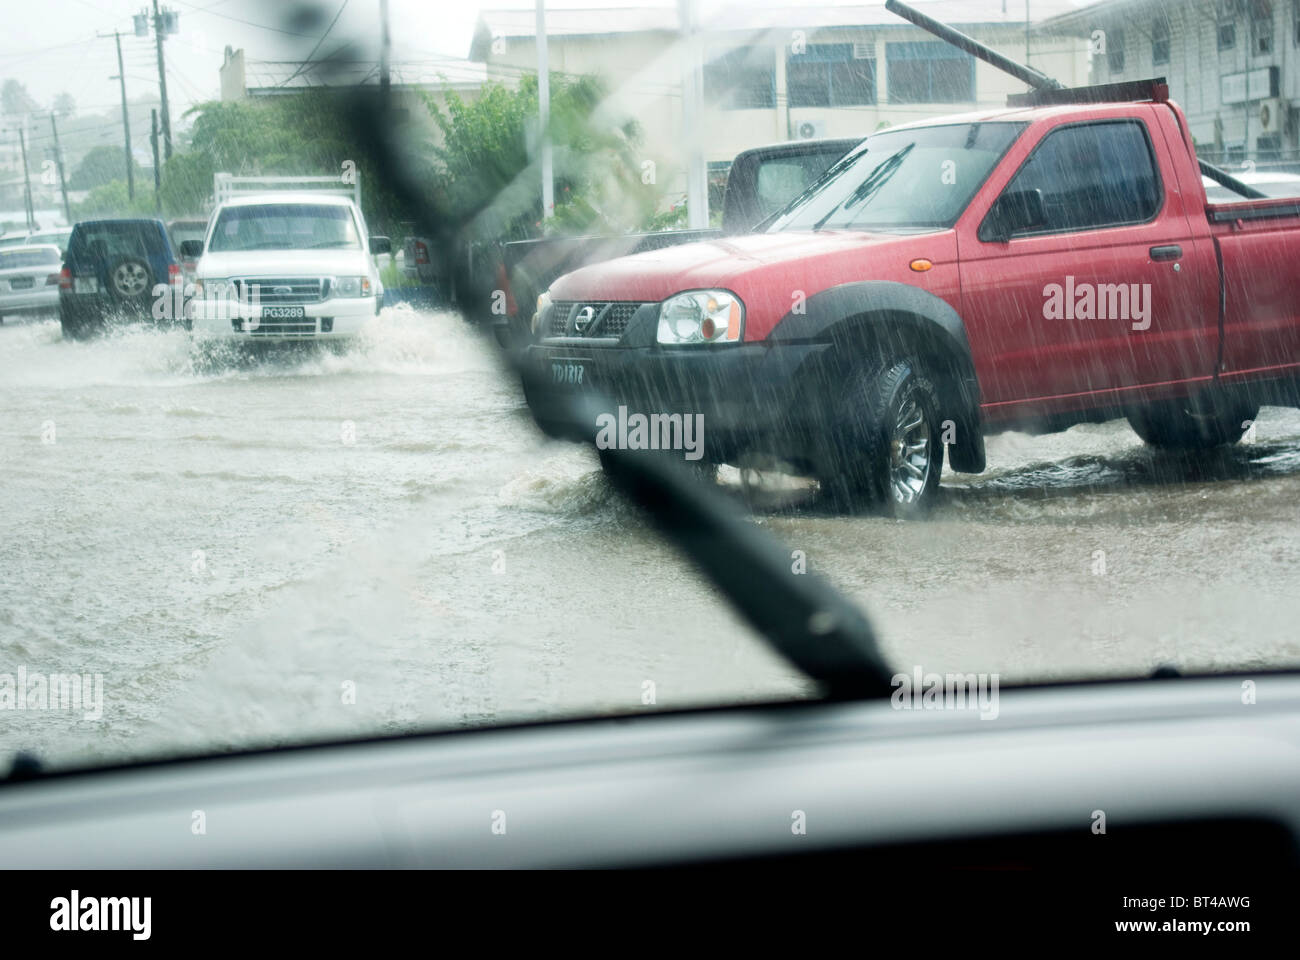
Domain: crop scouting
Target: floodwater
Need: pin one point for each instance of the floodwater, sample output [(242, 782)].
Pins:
[(272, 547)]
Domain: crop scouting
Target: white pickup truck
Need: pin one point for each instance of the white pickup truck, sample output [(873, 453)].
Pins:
[(285, 258)]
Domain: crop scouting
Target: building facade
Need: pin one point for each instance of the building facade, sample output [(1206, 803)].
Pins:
[(786, 73), (1231, 66)]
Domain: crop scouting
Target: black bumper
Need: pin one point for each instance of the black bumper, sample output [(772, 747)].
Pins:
[(751, 396)]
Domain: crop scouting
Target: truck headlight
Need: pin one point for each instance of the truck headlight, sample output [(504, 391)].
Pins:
[(350, 287), (701, 316), (543, 302)]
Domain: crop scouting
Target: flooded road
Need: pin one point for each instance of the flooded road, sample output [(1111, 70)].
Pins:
[(282, 546)]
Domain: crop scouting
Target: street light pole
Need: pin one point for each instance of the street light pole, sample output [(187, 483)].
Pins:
[(544, 111), (158, 32), (697, 186)]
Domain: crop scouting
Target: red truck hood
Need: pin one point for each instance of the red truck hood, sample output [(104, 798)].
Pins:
[(764, 269)]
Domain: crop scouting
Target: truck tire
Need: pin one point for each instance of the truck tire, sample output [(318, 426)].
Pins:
[(885, 441), (1192, 424)]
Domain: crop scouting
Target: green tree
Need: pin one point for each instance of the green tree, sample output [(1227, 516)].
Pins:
[(101, 165), (490, 176), (111, 200), (14, 98)]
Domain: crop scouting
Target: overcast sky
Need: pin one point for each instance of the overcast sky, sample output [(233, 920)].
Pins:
[(51, 45)]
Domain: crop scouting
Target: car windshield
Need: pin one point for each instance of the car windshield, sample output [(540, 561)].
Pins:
[(381, 497), (29, 258), (284, 226), (917, 179)]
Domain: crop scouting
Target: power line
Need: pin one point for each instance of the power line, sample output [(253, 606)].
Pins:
[(308, 59), (250, 23)]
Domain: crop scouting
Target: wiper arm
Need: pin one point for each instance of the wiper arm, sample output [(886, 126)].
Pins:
[(808, 622), (869, 186)]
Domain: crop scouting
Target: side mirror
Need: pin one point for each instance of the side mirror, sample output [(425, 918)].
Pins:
[(191, 249), (381, 245), (1012, 213)]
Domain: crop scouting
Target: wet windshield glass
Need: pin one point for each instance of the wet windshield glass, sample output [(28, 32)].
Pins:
[(1046, 452), (285, 226), (903, 180)]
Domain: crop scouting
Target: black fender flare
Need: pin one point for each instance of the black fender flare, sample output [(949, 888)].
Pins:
[(831, 315)]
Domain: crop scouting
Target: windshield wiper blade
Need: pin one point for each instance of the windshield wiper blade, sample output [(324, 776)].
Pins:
[(869, 186), (804, 619)]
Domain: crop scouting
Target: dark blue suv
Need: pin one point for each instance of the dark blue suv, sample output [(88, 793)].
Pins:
[(112, 269)]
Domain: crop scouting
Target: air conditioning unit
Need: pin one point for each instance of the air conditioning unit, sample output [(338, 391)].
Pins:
[(809, 130), (1271, 115)]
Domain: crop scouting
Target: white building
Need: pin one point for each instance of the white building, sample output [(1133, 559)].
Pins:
[(1231, 66), (774, 74)]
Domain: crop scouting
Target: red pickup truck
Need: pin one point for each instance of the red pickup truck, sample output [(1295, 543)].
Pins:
[(1026, 268)]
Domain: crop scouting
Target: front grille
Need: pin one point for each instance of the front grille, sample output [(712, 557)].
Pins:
[(274, 292), (277, 328), (610, 318)]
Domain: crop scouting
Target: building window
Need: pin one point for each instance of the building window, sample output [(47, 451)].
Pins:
[(1295, 23), (1115, 51), (929, 73), (1226, 13), (743, 79), (829, 75), (1261, 27), (1159, 42)]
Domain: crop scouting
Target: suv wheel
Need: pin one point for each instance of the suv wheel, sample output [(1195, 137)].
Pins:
[(130, 279), (1193, 423), (885, 441)]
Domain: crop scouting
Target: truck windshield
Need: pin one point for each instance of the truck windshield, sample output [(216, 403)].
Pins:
[(285, 226), (914, 179)]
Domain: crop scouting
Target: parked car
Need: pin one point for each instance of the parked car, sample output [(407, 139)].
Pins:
[(286, 266), (190, 229), (25, 280), (112, 270), (58, 237)]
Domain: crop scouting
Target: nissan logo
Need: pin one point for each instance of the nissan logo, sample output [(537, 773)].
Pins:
[(282, 290), (583, 318)]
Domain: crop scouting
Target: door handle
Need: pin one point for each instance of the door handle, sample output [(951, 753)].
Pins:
[(1171, 252)]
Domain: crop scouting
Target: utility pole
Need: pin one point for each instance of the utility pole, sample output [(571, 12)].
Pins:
[(544, 110), (126, 121), (58, 161), (383, 50), (157, 167), (1026, 31), (27, 181), (158, 33), (697, 184)]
